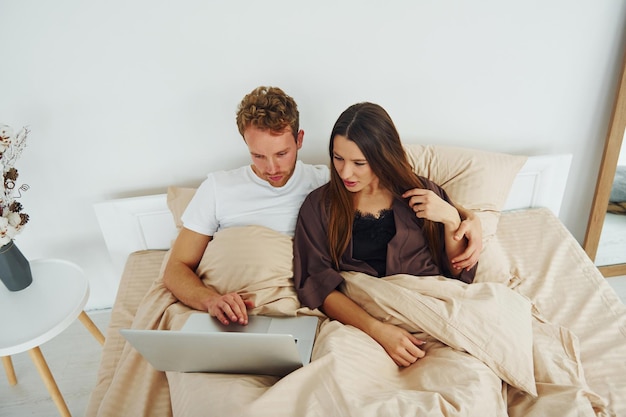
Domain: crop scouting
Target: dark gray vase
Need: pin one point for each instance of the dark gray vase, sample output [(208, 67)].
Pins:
[(14, 268)]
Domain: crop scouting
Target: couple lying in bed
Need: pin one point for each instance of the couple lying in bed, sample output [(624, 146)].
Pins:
[(373, 215)]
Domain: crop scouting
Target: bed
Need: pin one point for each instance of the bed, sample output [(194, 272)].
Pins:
[(540, 332)]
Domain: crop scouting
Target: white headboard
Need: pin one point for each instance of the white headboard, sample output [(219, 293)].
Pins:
[(141, 223), (540, 183)]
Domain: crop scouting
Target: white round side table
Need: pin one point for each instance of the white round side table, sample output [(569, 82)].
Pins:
[(41, 311)]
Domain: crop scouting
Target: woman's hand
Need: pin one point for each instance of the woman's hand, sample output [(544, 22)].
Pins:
[(400, 345), (462, 240), (428, 205)]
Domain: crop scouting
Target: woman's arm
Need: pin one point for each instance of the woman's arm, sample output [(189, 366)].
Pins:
[(428, 205), (400, 345), (314, 276)]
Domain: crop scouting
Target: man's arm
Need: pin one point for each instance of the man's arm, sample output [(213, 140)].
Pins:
[(180, 278), (471, 229)]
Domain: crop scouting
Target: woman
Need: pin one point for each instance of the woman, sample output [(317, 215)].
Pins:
[(377, 217)]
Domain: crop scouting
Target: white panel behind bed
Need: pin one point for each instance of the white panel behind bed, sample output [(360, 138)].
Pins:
[(540, 183), (141, 223)]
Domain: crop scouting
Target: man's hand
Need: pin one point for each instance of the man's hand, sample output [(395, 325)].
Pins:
[(471, 230), (229, 308)]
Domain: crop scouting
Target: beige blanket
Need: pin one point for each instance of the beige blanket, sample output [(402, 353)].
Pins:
[(488, 353)]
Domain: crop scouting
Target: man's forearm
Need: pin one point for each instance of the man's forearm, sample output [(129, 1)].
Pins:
[(187, 287)]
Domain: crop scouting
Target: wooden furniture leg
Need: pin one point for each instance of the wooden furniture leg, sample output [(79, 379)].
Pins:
[(93, 329), (48, 379), (8, 368)]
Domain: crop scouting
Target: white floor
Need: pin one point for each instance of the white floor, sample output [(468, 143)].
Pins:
[(612, 245), (73, 359)]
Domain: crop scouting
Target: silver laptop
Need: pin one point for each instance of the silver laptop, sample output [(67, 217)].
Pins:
[(266, 346)]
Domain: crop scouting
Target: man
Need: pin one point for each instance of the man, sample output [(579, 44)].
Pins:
[(268, 192)]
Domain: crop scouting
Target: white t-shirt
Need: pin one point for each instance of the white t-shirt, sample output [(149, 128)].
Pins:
[(240, 198)]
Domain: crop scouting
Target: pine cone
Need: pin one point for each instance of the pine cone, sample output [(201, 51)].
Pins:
[(16, 207), (25, 219), (11, 174)]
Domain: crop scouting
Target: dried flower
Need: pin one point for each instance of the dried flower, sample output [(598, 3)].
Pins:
[(11, 218), (11, 174)]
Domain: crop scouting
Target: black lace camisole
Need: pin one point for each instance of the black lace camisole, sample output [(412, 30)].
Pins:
[(370, 236)]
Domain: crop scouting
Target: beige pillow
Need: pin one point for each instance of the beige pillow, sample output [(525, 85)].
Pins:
[(477, 180), (256, 262), (177, 200), (493, 265)]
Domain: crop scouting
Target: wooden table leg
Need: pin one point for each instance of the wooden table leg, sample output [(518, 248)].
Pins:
[(48, 379), (8, 368), (93, 329)]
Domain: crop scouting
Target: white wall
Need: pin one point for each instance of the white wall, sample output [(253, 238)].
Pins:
[(127, 97)]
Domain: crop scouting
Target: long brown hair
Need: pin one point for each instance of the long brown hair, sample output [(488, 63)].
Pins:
[(370, 127)]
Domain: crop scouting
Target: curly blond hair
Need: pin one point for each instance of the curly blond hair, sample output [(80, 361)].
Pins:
[(268, 108)]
